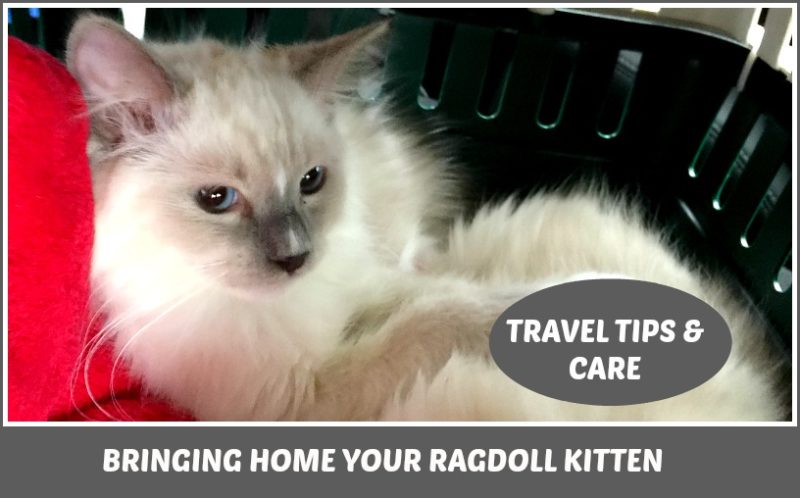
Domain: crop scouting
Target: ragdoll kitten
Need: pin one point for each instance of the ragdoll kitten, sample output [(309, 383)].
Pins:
[(238, 205), (259, 239)]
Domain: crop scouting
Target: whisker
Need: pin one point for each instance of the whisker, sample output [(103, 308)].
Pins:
[(98, 340), (93, 346), (137, 334), (86, 342)]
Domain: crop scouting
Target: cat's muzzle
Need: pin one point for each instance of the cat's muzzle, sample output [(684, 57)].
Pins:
[(287, 241)]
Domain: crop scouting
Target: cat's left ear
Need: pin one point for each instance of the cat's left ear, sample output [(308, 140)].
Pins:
[(341, 63)]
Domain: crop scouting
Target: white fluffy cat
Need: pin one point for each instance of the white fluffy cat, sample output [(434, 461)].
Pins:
[(258, 239)]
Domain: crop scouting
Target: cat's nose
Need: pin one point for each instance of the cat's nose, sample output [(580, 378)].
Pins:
[(291, 264)]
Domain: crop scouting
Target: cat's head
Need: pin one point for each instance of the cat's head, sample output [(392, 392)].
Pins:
[(224, 157)]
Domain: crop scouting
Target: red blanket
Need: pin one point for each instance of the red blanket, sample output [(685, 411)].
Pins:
[(50, 231)]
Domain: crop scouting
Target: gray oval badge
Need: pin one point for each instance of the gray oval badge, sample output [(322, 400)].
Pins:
[(610, 342)]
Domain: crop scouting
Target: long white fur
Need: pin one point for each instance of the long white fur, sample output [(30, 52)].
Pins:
[(235, 356), (561, 236), (216, 340)]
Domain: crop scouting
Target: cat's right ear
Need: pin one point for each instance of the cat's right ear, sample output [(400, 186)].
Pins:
[(341, 63), (126, 88)]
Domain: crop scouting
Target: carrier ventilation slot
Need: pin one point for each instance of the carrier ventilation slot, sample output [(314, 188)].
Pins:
[(782, 179), (430, 89), (711, 136), (783, 278), (739, 164), (497, 74), (618, 98), (556, 88)]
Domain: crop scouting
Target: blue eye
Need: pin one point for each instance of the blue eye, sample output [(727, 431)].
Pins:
[(217, 200)]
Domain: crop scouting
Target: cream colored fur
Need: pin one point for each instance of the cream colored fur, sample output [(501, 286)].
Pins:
[(564, 236), (359, 334)]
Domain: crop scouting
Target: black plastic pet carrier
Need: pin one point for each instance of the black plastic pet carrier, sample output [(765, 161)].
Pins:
[(538, 100)]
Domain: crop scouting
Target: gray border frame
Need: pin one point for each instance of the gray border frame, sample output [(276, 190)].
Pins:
[(709, 460)]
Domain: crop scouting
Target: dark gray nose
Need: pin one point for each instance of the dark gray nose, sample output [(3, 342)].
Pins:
[(291, 264), (285, 238)]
